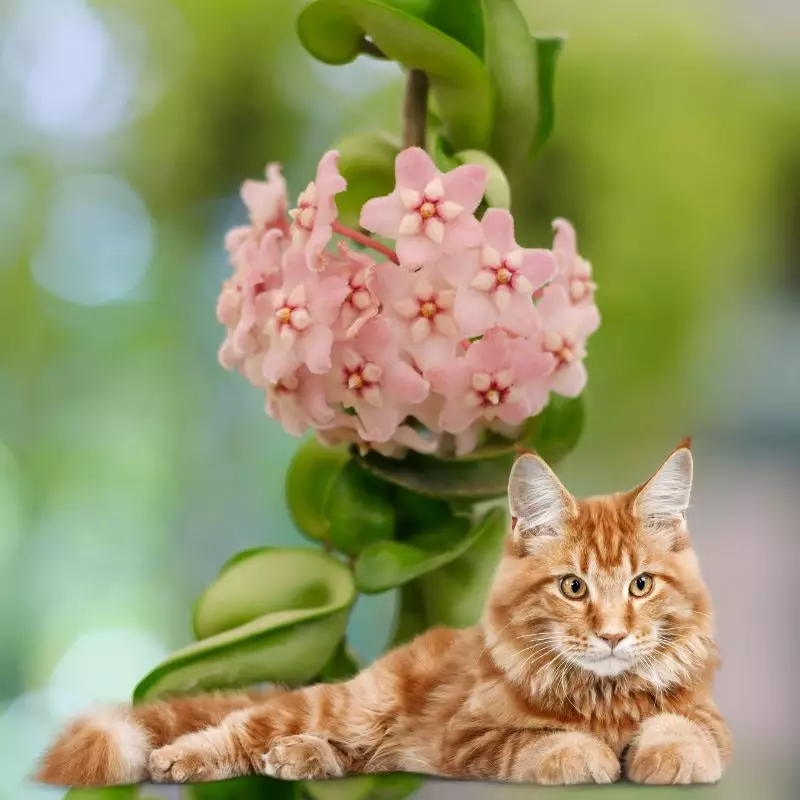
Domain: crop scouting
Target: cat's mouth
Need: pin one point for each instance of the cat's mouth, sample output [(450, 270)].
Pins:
[(606, 665)]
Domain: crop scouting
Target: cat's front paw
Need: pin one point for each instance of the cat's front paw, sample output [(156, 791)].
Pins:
[(572, 757), (209, 755), (303, 757), (673, 749)]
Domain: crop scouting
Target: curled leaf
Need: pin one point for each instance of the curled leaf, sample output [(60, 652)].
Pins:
[(273, 615), (386, 565), (547, 51), (512, 70), (311, 474), (332, 31), (455, 594), (358, 509)]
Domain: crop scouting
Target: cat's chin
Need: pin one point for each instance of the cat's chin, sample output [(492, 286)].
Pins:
[(607, 667)]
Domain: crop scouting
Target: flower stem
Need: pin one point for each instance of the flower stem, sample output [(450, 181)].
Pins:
[(415, 109), (367, 241)]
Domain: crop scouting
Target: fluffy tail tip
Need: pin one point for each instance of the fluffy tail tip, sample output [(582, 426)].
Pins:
[(105, 749)]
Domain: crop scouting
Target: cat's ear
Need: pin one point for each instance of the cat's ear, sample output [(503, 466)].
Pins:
[(538, 501), (663, 500)]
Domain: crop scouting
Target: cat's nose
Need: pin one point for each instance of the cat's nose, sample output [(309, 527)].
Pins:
[(612, 639)]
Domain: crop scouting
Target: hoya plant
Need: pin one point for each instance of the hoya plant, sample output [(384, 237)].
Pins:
[(391, 316)]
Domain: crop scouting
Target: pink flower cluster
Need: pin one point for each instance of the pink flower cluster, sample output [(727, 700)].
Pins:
[(439, 323)]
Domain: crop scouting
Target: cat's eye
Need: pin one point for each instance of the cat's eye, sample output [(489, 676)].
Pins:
[(573, 587), (641, 585)]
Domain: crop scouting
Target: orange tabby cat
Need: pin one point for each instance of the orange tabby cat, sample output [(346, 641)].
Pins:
[(594, 656)]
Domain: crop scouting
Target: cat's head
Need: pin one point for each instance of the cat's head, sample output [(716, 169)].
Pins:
[(606, 587)]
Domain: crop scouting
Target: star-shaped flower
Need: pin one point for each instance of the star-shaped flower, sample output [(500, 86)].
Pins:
[(429, 213), (496, 283)]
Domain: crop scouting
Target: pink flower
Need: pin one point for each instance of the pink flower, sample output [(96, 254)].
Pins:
[(574, 273), (496, 283), (422, 305), (348, 431), (361, 303), (312, 220), (266, 203), (266, 200), (498, 378), (565, 329), (429, 213), (371, 378), (299, 326), (298, 402)]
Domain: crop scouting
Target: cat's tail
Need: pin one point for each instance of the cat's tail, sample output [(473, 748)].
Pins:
[(113, 747)]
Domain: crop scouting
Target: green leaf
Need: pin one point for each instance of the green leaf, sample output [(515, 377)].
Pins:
[(358, 787), (104, 793), (498, 192), (359, 510), (410, 619), (512, 69), (342, 665), (459, 80), (396, 786), (311, 473), (455, 595), (560, 428), (441, 153), (251, 788), (366, 161), (386, 565), (483, 474), (461, 19), (275, 615), (450, 479), (547, 51)]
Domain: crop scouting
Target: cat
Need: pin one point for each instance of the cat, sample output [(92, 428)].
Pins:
[(594, 659)]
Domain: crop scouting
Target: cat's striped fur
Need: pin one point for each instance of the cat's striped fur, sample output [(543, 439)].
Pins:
[(528, 695)]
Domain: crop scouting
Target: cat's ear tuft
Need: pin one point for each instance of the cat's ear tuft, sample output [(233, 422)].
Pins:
[(538, 501), (665, 497)]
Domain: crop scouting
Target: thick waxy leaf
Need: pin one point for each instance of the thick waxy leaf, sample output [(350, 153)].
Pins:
[(386, 565), (483, 474), (311, 474), (359, 510), (448, 479), (560, 428), (366, 161), (498, 192), (454, 596), (253, 788), (410, 619), (274, 615), (342, 665), (459, 80), (547, 51), (104, 793), (396, 786), (512, 69), (358, 787)]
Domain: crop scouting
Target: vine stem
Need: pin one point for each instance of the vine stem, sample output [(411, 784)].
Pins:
[(367, 241), (415, 109)]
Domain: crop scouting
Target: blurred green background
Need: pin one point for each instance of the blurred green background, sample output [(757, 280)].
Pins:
[(132, 466)]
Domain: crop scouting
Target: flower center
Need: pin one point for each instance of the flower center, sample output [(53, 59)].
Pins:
[(561, 347), (429, 309), (355, 381), (284, 314), (504, 275), (427, 209)]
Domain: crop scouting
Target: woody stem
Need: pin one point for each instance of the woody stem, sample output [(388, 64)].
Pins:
[(415, 109), (366, 241)]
